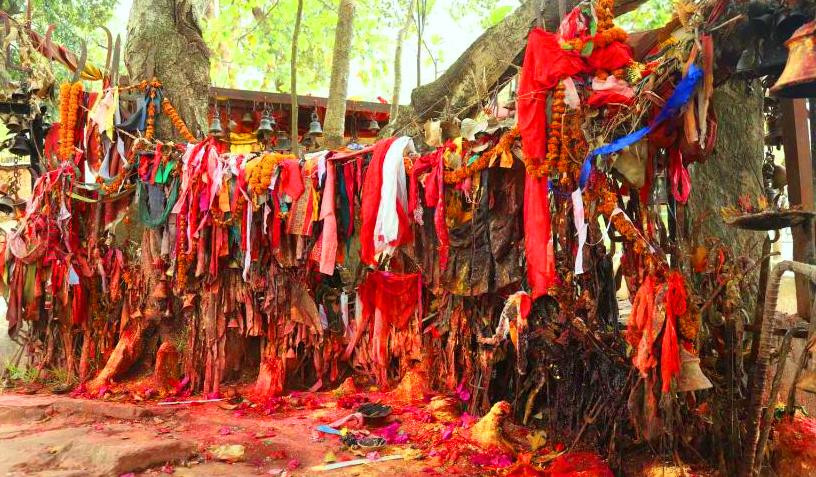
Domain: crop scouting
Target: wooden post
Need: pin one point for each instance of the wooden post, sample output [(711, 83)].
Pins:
[(796, 142)]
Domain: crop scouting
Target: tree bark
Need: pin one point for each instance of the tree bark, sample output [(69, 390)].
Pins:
[(294, 114), (491, 59), (395, 97), (734, 168), (334, 123), (164, 41)]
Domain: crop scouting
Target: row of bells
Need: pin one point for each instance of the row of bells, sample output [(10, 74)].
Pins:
[(771, 30), (267, 124)]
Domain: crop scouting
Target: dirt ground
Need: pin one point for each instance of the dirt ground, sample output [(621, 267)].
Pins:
[(60, 436)]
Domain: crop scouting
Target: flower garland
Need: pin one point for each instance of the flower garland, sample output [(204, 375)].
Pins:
[(150, 130), (70, 97), (483, 162), (178, 123), (606, 34), (259, 172), (608, 202)]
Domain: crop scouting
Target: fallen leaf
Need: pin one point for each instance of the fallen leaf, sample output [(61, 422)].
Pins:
[(537, 440), (329, 458), (228, 452)]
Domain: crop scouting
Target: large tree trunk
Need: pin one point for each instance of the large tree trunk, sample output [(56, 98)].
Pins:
[(334, 123), (734, 168), (488, 62), (164, 41)]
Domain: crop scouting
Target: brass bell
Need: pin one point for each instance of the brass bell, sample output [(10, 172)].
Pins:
[(232, 125), (774, 135), (373, 125), (215, 127), (787, 23), (660, 192), (779, 177), (14, 124), (808, 382), (265, 126), (283, 143), (691, 377), (187, 302), (247, 119), (315, 129), (19, 94), (798, 80), (21, 146)]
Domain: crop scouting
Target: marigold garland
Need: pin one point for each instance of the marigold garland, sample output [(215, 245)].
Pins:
[(608, 202), (504, 146), (70, 98), (259, 171), (178, 123)]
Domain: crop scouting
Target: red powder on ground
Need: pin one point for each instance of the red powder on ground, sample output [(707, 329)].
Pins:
[(797, 435), (579, 464)]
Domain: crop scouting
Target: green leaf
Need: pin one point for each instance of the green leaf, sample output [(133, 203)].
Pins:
[(587, 49), (496, 15)]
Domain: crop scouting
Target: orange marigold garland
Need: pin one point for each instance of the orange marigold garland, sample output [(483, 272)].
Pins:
[(504, 146), (259, 171), (150, 129), (608, 202), (70, 98), (178, 123)]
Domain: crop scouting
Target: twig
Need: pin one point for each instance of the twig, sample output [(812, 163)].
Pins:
[(745, 275), (199, 401)]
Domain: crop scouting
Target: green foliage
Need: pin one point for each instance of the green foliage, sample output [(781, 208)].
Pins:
[(251, 42), (496, 15), (74, 21), (60, 377), (652, 14), (20, 373)]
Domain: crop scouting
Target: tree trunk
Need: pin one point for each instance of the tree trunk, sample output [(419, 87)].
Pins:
[(334, 123), (735, 167), (294, 115), (164, 41), (488, 62), (395, 97)]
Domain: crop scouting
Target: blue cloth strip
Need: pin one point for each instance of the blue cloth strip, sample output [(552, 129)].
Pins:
[(679, 98)]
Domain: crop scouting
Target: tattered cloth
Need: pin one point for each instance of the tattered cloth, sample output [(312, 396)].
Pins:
[(393, 295)]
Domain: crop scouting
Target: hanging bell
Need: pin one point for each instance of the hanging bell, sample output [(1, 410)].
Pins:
[(14, 124), (247, 119), (19, 94), (808, 382), (21, 146), (787, 23), (265, 126), (232, 125), (691, 376), (774, 135), (660, 193), (215, 127), (283, 142), (798, 80), (315, 129), (373, 125)]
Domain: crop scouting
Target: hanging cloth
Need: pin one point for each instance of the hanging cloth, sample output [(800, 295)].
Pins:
[(372, 186), (538, 238)]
